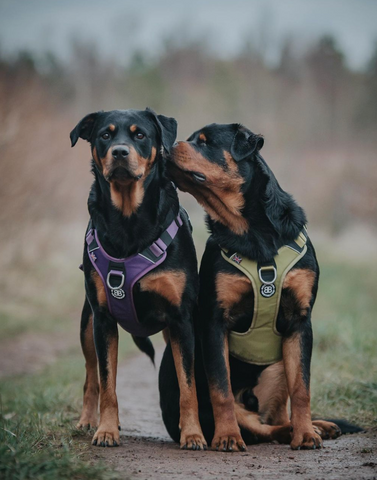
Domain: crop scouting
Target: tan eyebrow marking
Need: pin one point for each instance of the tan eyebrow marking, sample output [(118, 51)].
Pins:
[(111, 127), (133, 128), (202, 137)]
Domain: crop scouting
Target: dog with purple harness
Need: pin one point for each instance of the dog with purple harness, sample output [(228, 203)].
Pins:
[(139, 264)]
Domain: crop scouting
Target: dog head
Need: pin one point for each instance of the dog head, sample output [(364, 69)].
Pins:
[(125, 144), (215, 165)]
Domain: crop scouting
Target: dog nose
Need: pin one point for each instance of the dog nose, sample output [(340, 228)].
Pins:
[(120, 151)]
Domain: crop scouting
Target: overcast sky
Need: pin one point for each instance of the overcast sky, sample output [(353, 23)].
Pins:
[(42, 25)]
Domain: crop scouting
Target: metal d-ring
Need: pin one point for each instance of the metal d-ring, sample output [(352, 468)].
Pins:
[(115, 272), (267, 268)]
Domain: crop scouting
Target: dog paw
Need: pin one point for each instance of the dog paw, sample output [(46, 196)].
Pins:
[(87, 422), (194, 441), (228, 443), (282, 434), (309, 440), (106, 436), (327, 430)]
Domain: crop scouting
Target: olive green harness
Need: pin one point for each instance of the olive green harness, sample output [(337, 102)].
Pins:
[(261, 344)]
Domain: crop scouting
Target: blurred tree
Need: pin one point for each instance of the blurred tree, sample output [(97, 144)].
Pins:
[(325, 63), (289, 64), (366, 115)]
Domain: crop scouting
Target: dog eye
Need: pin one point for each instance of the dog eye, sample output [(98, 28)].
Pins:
[(105, 136), (140, 136)]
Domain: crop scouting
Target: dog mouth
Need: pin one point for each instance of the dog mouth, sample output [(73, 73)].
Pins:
[(122, 174), (198, 177), (174, 169)]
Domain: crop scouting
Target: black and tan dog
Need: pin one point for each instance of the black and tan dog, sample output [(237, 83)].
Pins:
[(131, 205), (249, 216)]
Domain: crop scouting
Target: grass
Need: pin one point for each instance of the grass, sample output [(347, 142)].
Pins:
[(36, 435), (344, 367), (38, 413), (38, 439)]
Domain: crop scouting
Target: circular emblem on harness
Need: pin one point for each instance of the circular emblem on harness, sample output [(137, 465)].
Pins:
[(118, 293), (267, 290)]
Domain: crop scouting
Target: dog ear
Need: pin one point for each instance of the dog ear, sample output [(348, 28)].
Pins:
[(281, 209), (245, 143), (84, 128), (167, 127)]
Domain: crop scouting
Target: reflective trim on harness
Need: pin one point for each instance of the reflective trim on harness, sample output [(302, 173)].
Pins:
[(120, 275), (261, 344)]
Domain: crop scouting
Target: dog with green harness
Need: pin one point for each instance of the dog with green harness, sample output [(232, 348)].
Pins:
[(258, 284)]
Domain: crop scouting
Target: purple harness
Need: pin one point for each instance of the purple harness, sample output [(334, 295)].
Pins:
[(120, 275)]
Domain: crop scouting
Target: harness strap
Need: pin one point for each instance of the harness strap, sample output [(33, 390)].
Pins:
[(261, 343)]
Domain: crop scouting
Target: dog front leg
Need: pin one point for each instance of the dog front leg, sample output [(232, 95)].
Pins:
[(89, 414), (183, 346), (227, 435), (297, 351), (106, 342)]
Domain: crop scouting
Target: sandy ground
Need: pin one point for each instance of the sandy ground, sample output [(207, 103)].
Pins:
[(147, 451)]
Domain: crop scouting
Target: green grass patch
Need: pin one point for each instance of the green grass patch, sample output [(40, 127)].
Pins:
[(38, 413), (344, 366)]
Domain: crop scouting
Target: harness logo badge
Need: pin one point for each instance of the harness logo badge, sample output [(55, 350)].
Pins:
[(237, 258), (118, 293), (267, 290), (92, 256)]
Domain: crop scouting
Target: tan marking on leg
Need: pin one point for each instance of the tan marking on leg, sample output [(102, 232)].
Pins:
[(227, 434), (303, 435), (109, 418), (169, 284), (89, 414), (191, 432), (272, 395), (100, 288), (301, 282), (230, 289)]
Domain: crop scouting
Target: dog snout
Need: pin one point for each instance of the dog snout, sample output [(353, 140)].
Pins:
[(120, 152)]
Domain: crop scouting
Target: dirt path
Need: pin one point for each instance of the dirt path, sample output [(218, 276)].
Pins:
[(147, 452)]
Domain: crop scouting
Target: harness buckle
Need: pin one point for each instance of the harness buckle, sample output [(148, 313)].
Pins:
[(267, 280), (116, 273)]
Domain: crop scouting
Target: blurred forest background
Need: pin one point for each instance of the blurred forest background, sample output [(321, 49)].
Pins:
[(316, 108), (318, 115), (319, 118)]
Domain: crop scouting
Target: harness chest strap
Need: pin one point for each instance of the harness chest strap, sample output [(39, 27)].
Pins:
[(262, 344), (120, 275)]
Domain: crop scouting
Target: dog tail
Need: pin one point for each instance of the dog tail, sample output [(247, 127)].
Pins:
[(345, 426), (145, 345)]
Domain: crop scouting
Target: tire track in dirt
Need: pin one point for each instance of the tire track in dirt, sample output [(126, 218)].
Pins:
[(148, 453)]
